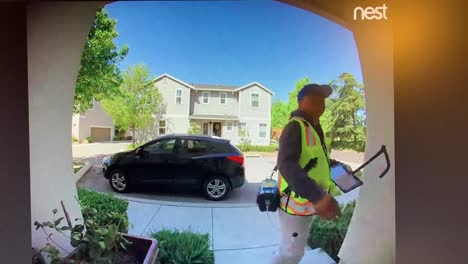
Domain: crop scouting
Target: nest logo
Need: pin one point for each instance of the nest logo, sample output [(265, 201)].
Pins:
[(371, 13)]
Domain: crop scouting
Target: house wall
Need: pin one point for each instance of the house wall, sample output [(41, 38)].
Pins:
[(247, 111), (253, 130), (95, 117), (168, 87), (76, 126), (214, 107)]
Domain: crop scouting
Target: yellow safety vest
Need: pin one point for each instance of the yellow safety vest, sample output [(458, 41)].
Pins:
[(311, 149)]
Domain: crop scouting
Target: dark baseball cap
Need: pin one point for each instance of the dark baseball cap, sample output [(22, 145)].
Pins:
[(313, 88)]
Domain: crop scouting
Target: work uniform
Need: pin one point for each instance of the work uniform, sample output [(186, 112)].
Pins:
[(304, 179)]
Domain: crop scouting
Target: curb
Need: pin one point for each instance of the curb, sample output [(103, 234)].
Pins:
[(186, 204), (82, 171)]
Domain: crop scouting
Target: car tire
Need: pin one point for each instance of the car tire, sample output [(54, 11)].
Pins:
[(216, 188), (119, 182)]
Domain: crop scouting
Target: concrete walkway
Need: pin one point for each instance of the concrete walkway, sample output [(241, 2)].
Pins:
[(239, 233)]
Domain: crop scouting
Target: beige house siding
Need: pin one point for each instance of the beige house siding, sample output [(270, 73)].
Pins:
[(96, 117), (245, 98), (214, 106), (168, 89)]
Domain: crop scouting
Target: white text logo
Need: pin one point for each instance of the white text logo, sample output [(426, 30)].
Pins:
[(370, 13)]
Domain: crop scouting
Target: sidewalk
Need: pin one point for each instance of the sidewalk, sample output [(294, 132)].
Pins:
[(239, 233)]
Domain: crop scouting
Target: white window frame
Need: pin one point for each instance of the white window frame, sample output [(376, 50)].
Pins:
[(251, 100), (221, 98), (203, 97), (177, 96), (229, 126), (260, 125), (162, 127)]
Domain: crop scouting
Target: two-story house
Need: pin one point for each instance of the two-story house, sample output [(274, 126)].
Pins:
[(231, 112)]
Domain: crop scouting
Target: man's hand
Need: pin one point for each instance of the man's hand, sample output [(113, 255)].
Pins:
[(327, 208)]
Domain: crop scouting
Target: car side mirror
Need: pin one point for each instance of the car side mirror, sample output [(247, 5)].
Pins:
[(141, 153)]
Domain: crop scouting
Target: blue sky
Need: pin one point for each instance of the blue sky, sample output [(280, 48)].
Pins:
[(235, 42)]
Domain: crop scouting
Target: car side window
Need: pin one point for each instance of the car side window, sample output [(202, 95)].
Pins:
[(195, 147), (161, 147)]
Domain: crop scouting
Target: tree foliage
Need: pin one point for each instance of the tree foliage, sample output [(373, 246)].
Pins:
[(347, 108), (344, 116), (99, 76), (139, 106)]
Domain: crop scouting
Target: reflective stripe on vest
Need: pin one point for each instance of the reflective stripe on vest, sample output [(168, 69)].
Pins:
[(290, 202)]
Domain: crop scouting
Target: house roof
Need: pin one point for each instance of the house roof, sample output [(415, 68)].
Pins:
[(215, 87), (212, 87)]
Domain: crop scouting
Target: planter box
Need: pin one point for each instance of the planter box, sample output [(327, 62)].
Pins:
[(143, 249)]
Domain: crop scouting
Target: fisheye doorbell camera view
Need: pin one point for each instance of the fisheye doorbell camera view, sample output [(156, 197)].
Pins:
[(210, 132)]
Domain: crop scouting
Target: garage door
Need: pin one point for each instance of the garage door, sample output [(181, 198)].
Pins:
[(99, 134)]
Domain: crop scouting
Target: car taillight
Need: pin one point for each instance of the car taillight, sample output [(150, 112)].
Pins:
[(237, 159)]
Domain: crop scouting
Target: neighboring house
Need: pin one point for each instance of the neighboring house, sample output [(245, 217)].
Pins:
[(231, 112), (95, 123)]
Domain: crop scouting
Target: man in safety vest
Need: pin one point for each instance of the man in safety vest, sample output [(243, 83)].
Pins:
[(304, 174)]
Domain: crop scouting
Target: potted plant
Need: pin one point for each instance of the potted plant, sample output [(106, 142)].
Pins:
[(93, 243)]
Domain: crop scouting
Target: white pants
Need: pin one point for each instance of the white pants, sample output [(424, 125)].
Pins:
[(294, 233)]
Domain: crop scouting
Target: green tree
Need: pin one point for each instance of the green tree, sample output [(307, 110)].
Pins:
[(194, 129), (99, 76), (279, 114), (347, 111), (138, 106)]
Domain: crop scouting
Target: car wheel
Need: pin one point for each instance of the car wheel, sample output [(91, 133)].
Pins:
[(216, 188), (119, 181)]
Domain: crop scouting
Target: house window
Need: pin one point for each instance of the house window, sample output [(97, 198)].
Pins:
[(162, 127), (229, 126), (205, 128), (262, 131), (222, 98), (205, 97), (179, 97), (255, 100), (242, 129)]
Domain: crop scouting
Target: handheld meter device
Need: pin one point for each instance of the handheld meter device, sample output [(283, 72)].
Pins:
[(268, 197)]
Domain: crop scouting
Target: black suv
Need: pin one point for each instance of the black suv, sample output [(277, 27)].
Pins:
[(212, 164)]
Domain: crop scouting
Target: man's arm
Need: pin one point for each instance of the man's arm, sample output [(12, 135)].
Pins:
[(288, 164)]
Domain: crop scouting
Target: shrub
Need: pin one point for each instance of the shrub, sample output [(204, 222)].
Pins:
[(116, 138), (183, 247), (194, 129), (89, 139), (359, 146), (105, 204), (269, 148), (74, 139), (329, 235)]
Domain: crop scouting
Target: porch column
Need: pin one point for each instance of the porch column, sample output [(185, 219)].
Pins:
[(57, 33)]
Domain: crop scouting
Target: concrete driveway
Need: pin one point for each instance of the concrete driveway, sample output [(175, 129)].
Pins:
[(257, 168)]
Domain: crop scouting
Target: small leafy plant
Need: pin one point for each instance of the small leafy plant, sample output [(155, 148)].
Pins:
[(93, 243), (112, 210), (184, 247), (329, 235)]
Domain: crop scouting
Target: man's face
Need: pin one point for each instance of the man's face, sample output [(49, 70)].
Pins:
[(313, 105)]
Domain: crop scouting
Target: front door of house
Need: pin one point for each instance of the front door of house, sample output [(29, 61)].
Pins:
[(217, 129)]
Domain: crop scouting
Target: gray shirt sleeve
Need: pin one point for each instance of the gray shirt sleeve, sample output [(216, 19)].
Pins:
[(288, 164)]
